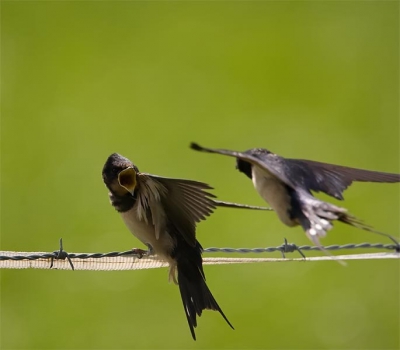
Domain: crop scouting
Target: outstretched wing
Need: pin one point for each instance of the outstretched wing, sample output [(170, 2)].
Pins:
[(333, 179), (306, 174), (270, 163), (185, 203)]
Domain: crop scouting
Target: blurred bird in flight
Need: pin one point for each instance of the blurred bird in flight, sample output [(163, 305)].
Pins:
[(287, 185)]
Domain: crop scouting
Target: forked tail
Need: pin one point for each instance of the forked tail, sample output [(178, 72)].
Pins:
[(195, 294), (353, 221)]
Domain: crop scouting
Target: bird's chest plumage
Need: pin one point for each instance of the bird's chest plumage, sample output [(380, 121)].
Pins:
[(145, 232), (274, 192)]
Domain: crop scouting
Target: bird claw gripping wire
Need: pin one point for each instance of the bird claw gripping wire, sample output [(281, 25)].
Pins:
[(61, 254), (290, 248), (140, 253)]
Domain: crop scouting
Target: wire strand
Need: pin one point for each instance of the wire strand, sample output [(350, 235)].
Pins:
[(135, 259)]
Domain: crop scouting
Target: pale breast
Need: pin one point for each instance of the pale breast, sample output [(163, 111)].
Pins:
[(145, 232), (274, 192)]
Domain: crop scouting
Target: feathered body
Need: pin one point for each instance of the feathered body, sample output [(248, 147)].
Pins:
[(163, 213), (287, 185)]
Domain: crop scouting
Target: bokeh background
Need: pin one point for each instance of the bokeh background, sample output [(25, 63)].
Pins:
[(80, 80)]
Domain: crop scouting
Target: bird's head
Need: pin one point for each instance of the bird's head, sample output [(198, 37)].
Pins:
[(245, 167), (120, 175)]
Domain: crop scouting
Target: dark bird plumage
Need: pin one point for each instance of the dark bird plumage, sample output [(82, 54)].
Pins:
[(287, 185), (163, 213)]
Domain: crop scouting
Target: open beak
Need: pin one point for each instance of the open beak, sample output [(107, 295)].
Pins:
[(127, 179)]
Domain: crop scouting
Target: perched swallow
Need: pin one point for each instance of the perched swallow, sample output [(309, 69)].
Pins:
[(286, 184), (162, 213)]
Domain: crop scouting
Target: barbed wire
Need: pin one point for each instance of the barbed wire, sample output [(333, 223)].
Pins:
[(290, 248), (151, 261)]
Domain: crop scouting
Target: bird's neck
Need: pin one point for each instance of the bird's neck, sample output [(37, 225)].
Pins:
[(122, 203)]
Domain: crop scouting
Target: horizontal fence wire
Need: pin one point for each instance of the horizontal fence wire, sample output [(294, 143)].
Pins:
[(136, 259), (290, 248)]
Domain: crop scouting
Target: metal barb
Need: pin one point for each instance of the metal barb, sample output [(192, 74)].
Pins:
[(290, 248), (61, 254)]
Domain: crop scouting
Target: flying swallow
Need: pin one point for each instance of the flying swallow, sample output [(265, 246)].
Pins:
[(287, 185), (162, 213)]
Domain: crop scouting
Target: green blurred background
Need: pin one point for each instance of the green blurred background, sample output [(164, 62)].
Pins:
[(80, 80)]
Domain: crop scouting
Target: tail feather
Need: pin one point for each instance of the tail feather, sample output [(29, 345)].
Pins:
[(316, 217), (195, 294), (353, 221), (319, 215)]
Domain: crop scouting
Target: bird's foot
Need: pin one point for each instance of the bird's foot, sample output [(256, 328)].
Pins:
[(140, 253)]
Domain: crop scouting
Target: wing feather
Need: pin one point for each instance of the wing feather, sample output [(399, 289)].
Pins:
[(334, 179), (274, 165), (306, 174), (185, 203)]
